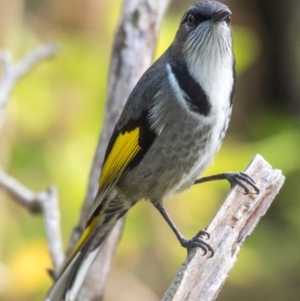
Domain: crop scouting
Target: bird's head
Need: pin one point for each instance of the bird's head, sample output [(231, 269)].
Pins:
[(204, 32)]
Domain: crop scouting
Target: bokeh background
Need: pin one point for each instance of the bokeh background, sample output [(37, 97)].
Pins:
[(53, 122)]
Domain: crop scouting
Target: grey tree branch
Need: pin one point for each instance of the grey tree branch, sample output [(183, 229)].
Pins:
[(132, 54), (201, 278), (13, 72), (45, 202), (20, 194), (50, 206)]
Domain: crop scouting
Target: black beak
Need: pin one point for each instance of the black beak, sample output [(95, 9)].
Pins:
[(221, 15)]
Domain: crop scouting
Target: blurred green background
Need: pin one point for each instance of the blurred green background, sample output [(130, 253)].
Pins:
[(53, 122)]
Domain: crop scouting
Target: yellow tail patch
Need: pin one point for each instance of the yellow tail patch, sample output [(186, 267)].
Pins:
[(85, 235)]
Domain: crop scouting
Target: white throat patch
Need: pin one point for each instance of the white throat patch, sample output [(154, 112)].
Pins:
[(211, 62)]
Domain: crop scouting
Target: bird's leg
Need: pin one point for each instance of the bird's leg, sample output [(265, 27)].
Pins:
[(239, 178), (196, 241)]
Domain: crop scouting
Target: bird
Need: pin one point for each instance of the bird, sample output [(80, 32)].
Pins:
[(169, 131)]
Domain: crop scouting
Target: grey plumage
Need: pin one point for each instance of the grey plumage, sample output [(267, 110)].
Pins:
[(186, 141), (182, 107)]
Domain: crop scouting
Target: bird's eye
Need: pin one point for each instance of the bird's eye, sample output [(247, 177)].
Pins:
[(228, 20), (190, 20)]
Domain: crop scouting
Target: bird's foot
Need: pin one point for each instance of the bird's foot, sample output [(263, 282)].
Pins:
[(198, 242), (239, 178)]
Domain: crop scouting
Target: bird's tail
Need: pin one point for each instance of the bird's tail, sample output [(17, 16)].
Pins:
[(100, 223)]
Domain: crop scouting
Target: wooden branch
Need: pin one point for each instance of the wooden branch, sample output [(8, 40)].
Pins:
[(200, 277), (12, 73), (132, 54), (45, 202), (51, 214), (20, 194)]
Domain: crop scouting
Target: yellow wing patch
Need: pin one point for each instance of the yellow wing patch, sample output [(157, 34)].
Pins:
[(125, 148), (123, 151)]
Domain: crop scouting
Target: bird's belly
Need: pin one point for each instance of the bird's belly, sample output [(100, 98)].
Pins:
[(205, 157), (206, 154), (216, 135), (176, 158), (180, 153)]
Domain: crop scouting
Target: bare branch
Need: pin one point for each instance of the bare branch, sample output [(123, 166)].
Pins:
[(21, 194), (13, 72), (45, 202), (50, 205), (201, 278), (132, 54)]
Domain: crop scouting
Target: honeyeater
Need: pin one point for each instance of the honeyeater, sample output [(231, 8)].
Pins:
[(168, 133)]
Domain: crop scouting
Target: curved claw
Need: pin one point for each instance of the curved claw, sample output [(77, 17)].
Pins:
[(203, 234), (248, 177), (239, 178), (197, 242)]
